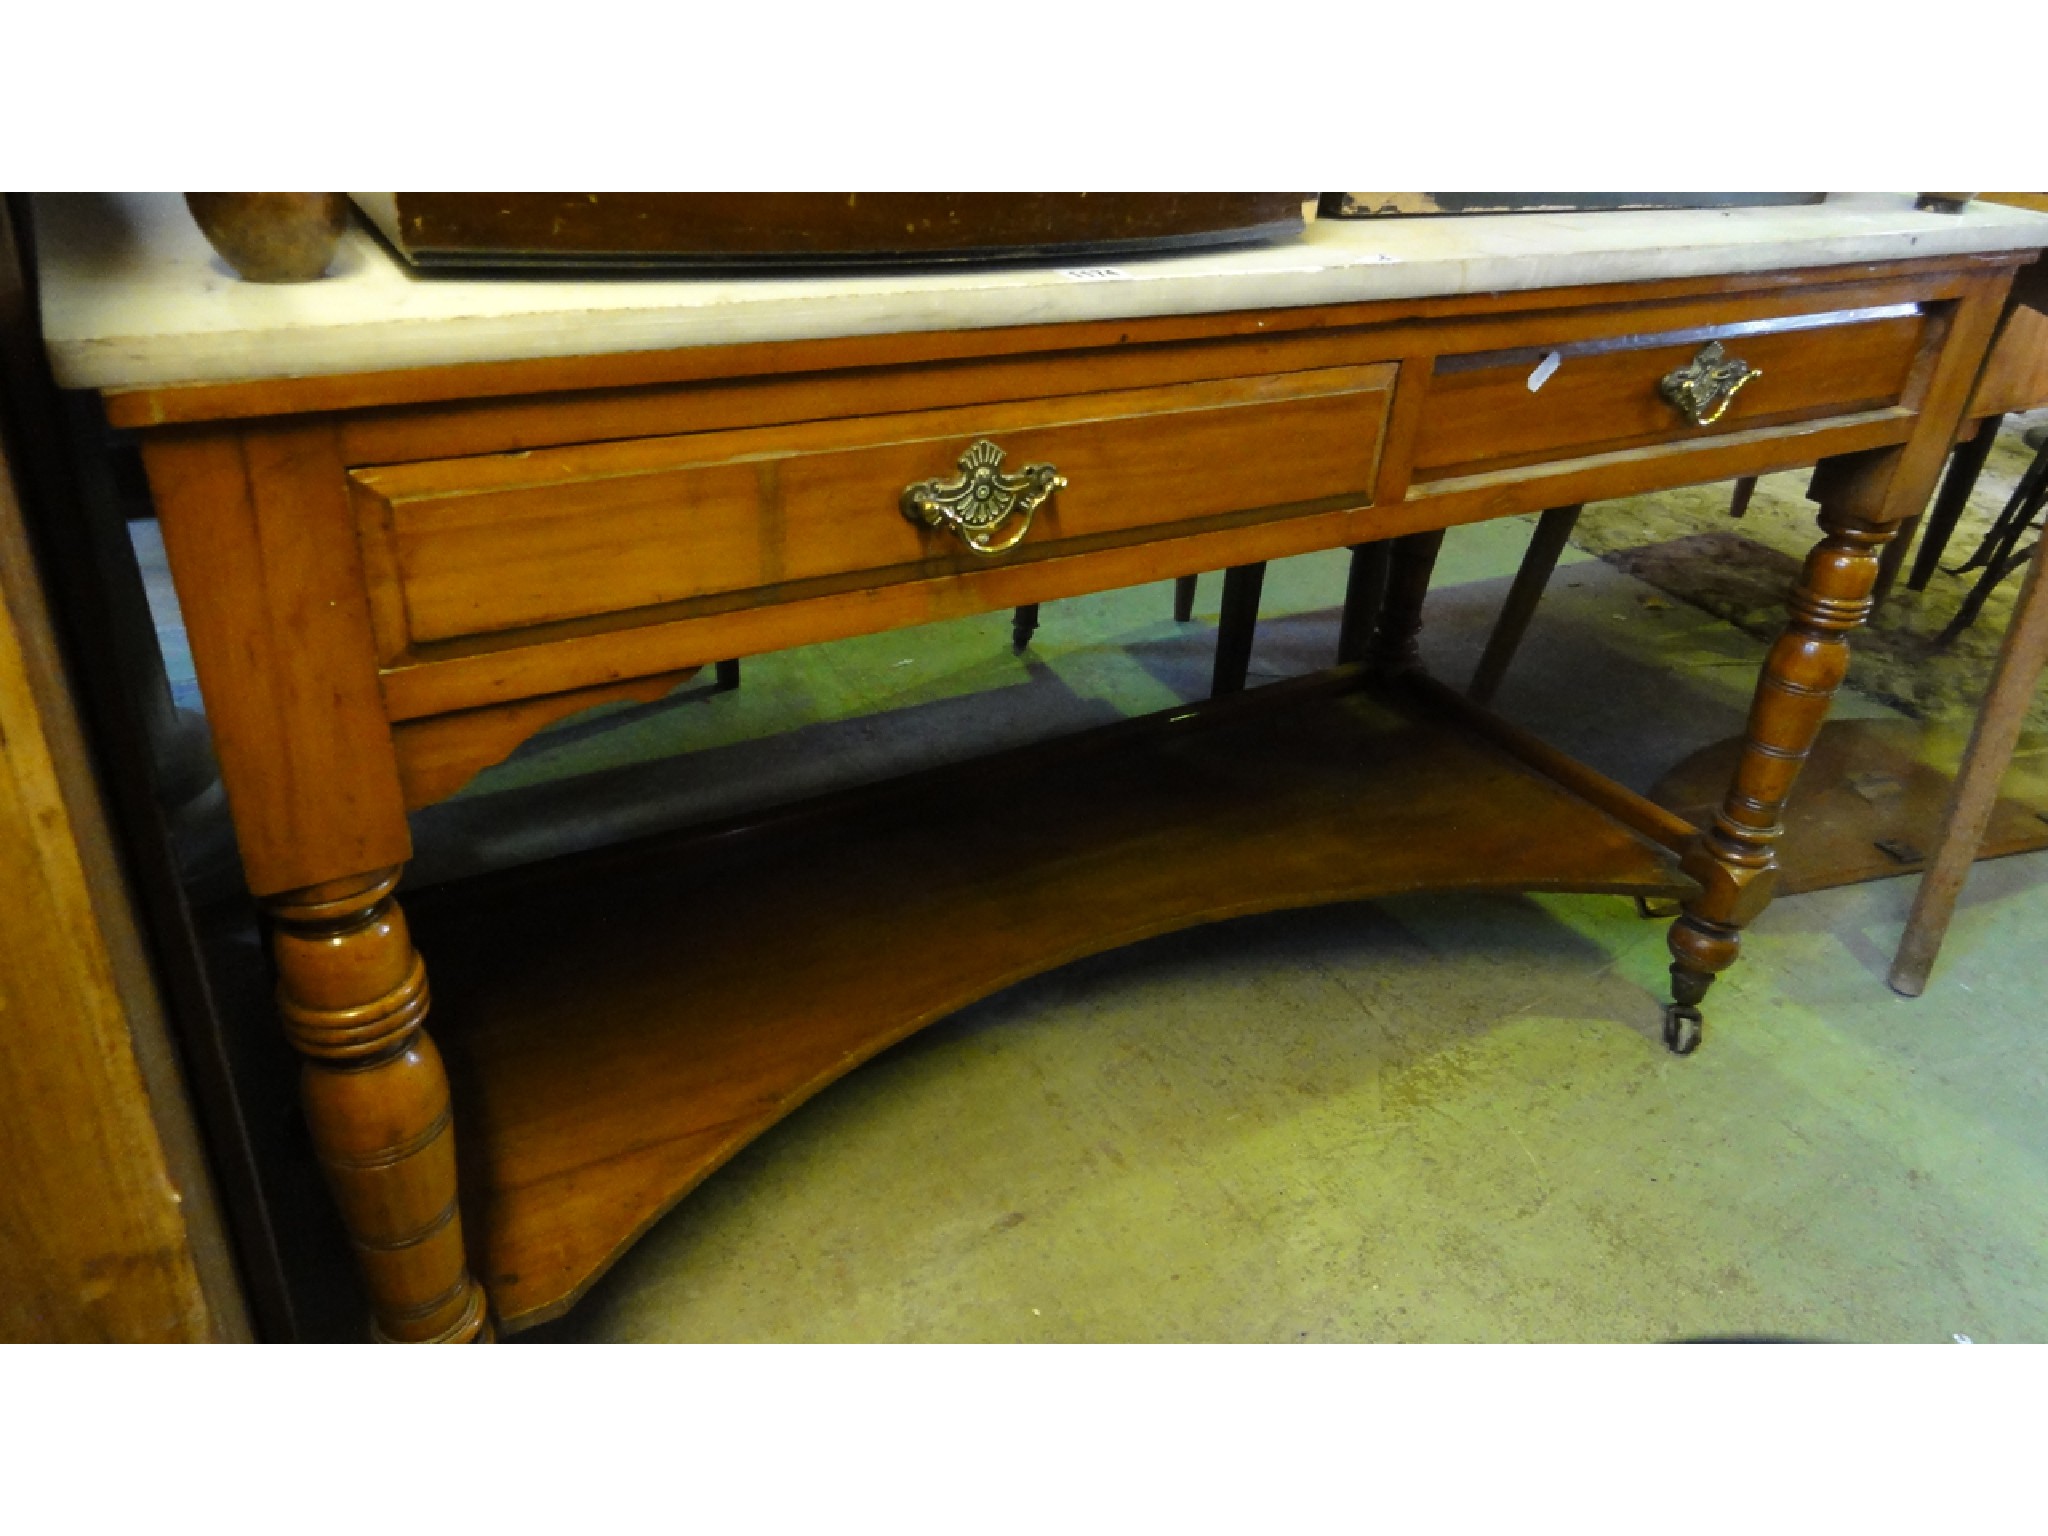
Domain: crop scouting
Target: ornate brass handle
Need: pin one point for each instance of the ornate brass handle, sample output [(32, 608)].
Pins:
[(982, 498), (1705, 387)]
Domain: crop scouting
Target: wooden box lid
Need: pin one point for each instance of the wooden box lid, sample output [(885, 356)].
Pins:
[(727, 229)]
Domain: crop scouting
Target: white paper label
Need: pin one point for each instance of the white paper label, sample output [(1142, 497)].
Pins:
[(1544, 370), (1095, 274)]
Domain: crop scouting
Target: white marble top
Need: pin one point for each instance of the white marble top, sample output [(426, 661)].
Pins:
[(133, 295)]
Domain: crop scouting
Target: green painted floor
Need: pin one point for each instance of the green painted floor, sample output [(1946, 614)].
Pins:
[(1443, 1118)]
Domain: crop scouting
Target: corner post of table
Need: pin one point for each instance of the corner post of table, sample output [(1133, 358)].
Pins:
[(1735, 859), (1863, 498), (260, 530), (352, 992)]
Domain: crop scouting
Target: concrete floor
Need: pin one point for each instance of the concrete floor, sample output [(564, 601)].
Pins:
[(1442, 1118)]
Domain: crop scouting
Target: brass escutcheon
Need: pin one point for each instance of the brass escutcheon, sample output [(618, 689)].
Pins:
[(977, 503), (1705, 387)]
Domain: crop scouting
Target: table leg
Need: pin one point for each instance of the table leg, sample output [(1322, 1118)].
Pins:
[(1411, 559), (1184, 599), (353, 994), (1735, 859), (1992, 738)]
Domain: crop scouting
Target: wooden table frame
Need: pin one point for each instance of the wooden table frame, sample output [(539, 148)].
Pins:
[(332, 724)]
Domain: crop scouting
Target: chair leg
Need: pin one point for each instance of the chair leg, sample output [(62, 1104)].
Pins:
[(1411, 561), (2019, 510), (1365, 590), (1893, 560), (1964, 467), (1744, 489), (1553, 530), (728, 673), (1022, 623), (2003, 566), (1998, 553), (1240, 619), (1184, 599), (2004, 710)]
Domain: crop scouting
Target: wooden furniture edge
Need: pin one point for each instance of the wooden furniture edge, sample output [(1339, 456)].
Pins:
[(160, 405), (521, 1276), (115, 1232)]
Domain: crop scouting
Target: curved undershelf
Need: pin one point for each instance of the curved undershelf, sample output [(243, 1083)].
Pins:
[(619, 1024)]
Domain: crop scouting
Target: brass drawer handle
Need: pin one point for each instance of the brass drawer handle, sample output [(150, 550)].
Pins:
[(982, 498), (1705, 387)]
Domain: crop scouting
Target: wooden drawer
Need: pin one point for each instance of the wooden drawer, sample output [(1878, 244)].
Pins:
[(1498, 410), (463, 548)]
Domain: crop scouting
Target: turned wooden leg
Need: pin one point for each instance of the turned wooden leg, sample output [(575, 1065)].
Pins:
[(1553, 531), (1236, 626), (1410, 561), (1735, 859), (353, 993), (1965, 467), (1365, 588), (1184, 599), (1023, 623)]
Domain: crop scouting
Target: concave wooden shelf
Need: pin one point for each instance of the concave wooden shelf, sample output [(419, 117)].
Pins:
[(619, 1024)]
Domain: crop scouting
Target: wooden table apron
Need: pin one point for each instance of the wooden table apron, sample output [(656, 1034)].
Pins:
[(391, 579)]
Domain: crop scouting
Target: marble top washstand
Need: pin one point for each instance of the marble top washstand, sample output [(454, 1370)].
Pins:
[(134, 297)]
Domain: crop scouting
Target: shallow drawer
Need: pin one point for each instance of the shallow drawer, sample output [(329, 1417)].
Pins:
[(1498, 410), (470, 547)]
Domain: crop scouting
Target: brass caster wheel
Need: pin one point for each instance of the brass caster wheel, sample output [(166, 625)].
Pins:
[(1682, 1028)]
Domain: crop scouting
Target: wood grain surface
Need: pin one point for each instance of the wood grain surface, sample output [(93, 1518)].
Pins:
[(109, 1226), (605, 1068), (2015, 376), (390, 579), (488, 227), (1487, 417), (502, 542), (263, 549)]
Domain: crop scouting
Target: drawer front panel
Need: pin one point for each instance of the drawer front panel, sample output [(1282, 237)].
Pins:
[(1483, 414), (473, 547)]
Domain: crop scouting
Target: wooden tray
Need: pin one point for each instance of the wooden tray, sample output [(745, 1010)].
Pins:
[(454, 229), (619, 1024)]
